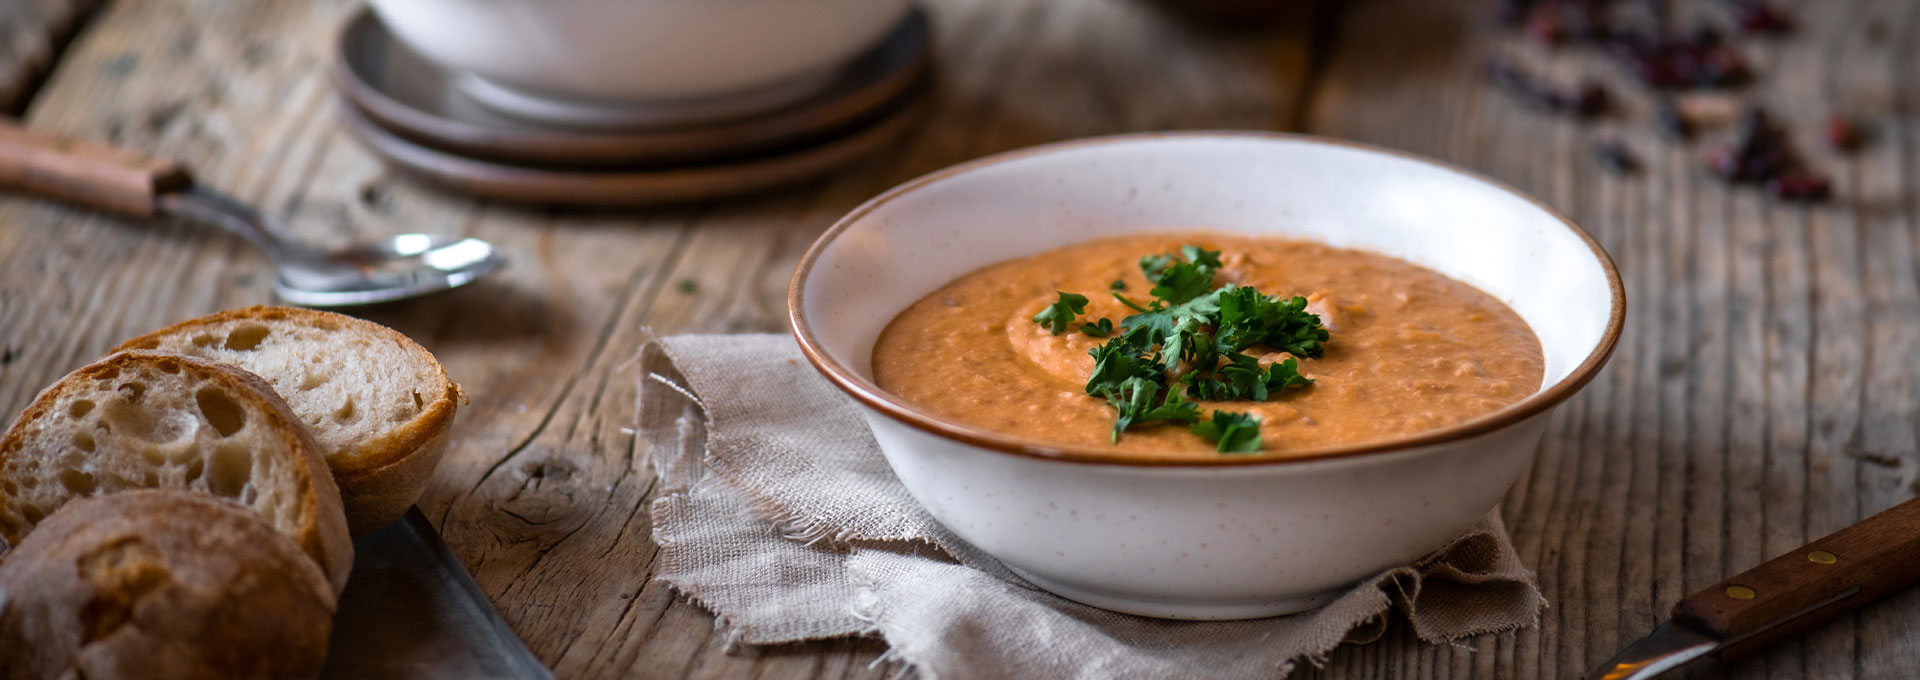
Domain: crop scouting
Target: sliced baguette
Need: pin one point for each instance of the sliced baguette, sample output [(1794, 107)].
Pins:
[(378, 403), (161, 584), (138, 420)]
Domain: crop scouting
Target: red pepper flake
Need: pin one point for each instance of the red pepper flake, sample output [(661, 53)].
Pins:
[(1757, 16), (1799, 187), (1842, 135)]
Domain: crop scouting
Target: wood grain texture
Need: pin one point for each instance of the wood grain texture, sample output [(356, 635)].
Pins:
[(31, 35), (1766, 392), (543, 493)]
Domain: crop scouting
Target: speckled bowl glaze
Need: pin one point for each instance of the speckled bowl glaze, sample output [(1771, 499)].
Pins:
[(1236, 537)]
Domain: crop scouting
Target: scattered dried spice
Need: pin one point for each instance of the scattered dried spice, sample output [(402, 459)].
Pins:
[(1842, 134), (1699, 57), (1671, 123), (1758, 152), (1757, 16), (1694, 61), (1585, 101), (1759, 155), (1799, 187), (1547, 29), (1615, 157)]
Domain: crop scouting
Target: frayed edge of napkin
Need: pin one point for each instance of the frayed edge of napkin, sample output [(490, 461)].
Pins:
[(791, 523)]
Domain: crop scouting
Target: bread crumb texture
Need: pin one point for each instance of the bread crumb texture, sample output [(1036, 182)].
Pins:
[(146, 424), (351, 386)]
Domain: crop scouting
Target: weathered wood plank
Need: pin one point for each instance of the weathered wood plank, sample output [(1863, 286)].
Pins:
[(31, 35), (1765, 392), (543, 495)]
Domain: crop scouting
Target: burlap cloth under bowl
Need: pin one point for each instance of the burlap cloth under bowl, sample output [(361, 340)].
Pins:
[(779, 514)]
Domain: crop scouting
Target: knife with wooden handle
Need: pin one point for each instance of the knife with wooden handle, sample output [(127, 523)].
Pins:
[(1874, 558)]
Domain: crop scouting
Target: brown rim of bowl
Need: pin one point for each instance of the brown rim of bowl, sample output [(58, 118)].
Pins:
[(872, 396)]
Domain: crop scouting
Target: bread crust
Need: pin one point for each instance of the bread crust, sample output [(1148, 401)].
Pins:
[(323, 536), (380, 478), (162, 584)]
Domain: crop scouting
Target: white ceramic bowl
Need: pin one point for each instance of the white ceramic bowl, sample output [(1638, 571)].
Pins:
[(1234, 537), (579, 61)]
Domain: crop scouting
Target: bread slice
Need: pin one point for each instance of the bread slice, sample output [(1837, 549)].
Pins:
[(161, 584), (378, 403), (137, 420)]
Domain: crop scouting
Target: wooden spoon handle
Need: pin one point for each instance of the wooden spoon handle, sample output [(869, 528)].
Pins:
[(86, 174), (1846, 569)]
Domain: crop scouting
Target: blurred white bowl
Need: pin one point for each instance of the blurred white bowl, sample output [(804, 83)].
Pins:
[(1233, 537), (618, 62)]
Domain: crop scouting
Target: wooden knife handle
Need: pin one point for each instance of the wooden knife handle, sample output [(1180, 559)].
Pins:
[(1846, 569), (86, 174)]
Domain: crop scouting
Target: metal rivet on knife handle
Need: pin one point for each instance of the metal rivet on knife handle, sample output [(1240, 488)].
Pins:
[(1822, 557), (1740, 592)]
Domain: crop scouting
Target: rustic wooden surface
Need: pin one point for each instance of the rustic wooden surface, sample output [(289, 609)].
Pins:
[(1766, 392), (31, 34)]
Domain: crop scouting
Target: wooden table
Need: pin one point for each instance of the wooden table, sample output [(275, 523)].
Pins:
[(1766, 392)]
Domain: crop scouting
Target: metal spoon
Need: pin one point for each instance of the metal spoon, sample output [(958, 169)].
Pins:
[(400, 267)]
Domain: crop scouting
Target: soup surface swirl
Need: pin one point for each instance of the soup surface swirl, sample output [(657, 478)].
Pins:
[(1411, 349)]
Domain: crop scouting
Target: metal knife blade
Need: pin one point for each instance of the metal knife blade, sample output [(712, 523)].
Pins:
[(1667, 647), (411, 611)]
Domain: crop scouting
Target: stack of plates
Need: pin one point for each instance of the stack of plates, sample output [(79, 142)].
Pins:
[(415, 114)]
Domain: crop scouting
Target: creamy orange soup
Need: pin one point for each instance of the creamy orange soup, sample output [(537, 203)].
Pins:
[(1411, 350)]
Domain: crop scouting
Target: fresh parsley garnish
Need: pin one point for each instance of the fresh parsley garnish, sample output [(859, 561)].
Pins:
[(1116, 362), (1098, 329), (1057, 316), (1197, 332), (1231, 432), (1118, 284), (1134, 405), (1241, 378), (1248, 318)]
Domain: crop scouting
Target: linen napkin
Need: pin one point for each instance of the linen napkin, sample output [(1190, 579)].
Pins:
[(779, 514)]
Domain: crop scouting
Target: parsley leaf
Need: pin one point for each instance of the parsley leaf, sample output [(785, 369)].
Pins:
[(1196, 255), (1117, 284), (1117, 361), (1232, 432), (1248, 318), (1182, 282), (1154, 266), (1135, 406), (1284, 374), (1058, 315), (1196, 331)]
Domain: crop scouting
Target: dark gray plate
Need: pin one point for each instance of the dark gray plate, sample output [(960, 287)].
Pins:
[(416, 99)]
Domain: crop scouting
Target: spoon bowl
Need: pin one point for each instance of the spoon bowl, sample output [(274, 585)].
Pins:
[(404, 266)]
